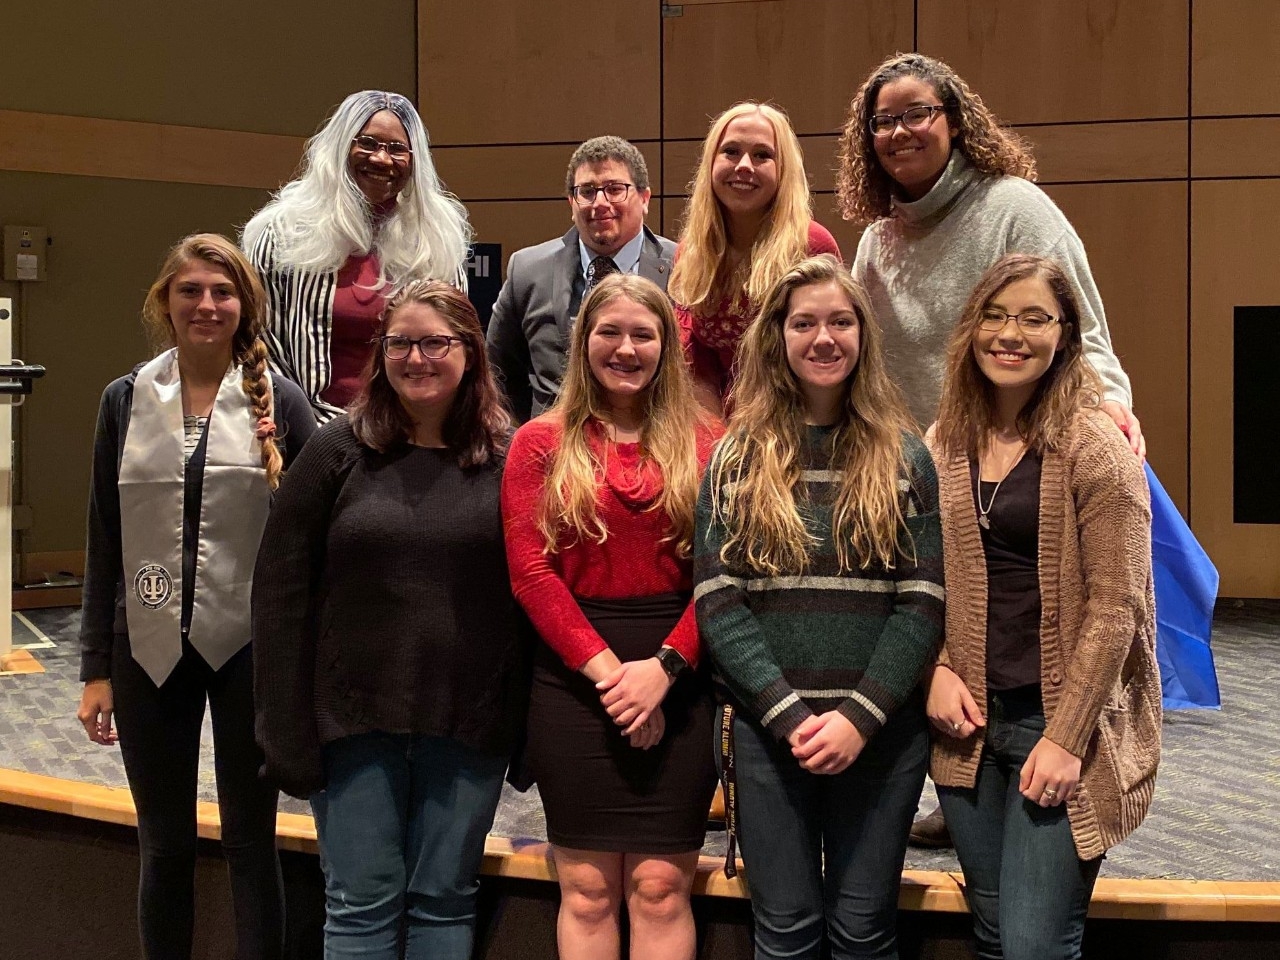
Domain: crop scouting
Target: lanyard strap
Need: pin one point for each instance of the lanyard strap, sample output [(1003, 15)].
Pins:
[(729, 778)]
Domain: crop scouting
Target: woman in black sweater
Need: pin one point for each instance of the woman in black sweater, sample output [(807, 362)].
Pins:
[(187, 451), (389, 658)]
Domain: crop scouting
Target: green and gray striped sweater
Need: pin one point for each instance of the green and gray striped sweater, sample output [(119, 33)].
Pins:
[(787, 647)]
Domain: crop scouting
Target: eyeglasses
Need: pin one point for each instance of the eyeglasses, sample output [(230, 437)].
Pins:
[(1033, 323), (434, 347), (396, 150), (916, 118), (614, 192)]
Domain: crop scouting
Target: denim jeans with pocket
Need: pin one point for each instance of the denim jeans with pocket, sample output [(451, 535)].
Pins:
[(823, 854), (1027, 889), (402, 823)]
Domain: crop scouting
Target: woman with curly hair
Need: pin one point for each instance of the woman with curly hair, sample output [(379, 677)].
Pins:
[(749, 221), (188, 450), (946, 192), (598, 500), (1046, 696), (818, 572), (390, 655), (367, 213)]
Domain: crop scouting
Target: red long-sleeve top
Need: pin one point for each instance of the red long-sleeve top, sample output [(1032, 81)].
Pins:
[(633, 561)]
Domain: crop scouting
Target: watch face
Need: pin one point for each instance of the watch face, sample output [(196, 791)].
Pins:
[(671, 661)]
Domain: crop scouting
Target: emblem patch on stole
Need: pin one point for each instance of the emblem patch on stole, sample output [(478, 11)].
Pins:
[(153, 586)]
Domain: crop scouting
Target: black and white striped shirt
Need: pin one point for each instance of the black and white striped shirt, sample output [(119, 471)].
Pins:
[(299, 327), (299, 321)]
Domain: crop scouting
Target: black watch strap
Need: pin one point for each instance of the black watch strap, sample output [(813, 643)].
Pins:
[(672, 661)]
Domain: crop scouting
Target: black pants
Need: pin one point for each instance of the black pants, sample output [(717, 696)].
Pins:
[(160, 740)]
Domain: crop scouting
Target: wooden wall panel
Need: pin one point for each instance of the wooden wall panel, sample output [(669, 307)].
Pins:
[(672, 215), (529, 172), (807, 56), (1136, 238), (1055, 60), (1234, 252), (268, 67), (1153, 150), (1245, 147), (1235, 49), (125, 150), (83, 322), (510, 71)]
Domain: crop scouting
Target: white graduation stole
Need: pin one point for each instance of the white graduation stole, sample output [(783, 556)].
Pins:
[(233, 511)]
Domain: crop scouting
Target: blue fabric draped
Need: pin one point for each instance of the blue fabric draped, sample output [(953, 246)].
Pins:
[(1186, 585)]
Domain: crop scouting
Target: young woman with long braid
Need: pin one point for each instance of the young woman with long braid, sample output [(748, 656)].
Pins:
[(188, 450)]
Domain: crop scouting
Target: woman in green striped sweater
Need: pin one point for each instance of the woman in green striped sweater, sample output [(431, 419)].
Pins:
[(818, 589)]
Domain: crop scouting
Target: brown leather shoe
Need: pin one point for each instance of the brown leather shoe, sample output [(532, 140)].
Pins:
[(931, 832)]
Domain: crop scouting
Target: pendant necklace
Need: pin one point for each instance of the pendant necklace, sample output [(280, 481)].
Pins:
[(983, 521)]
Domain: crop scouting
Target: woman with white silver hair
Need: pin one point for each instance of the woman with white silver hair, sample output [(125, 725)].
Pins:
[(367, 214)]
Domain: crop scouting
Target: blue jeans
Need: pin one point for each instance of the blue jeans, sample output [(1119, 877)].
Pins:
[(1027, 889), (791, 823), (402, 822)]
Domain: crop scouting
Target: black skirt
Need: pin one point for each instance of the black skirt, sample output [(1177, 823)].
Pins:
[(598, 791)]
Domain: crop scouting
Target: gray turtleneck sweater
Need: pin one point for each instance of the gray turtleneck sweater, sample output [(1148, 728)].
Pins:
[(920, 265)]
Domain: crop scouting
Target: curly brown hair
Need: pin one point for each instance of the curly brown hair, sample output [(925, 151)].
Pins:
[(478, 427), (864, 190), (966, 415)]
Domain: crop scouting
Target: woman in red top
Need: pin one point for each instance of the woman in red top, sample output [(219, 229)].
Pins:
[(598, 500), (750, 221)]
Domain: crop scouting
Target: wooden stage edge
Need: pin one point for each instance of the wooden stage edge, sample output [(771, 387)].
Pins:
[(937, 891)]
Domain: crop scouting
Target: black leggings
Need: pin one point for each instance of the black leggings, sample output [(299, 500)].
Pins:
[(160, 740)]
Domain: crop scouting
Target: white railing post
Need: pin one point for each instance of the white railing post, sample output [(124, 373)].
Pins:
[(6, 489)]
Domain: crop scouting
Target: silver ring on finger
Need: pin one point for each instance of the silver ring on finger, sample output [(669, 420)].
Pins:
[(1051, 793), (955, 727)]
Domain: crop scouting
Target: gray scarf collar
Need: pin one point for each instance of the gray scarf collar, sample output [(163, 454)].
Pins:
[(958, 176)]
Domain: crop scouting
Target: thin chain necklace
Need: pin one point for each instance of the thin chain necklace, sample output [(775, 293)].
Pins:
[(983, 521)]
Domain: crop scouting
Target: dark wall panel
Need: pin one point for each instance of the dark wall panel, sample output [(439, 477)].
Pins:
[(275, 67)]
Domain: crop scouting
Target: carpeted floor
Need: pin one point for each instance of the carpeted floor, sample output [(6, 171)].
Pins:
[(1214, 817)]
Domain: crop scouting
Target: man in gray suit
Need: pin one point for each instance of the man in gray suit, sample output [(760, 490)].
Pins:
[(607, 184)]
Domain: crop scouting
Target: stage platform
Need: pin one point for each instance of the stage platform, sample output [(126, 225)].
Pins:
[(1207, 858)]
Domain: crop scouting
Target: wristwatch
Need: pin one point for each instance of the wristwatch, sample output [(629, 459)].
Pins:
[(672, 662)]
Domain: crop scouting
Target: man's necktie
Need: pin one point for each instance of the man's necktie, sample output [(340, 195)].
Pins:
[(597, 270)]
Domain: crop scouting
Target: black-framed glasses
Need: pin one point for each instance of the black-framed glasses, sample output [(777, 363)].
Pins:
[(615, 192), (433, 347), (395, 149), (913, 118), (1033, 323)]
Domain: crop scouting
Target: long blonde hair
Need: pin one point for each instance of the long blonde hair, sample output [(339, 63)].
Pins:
[(700, 278), (759, 467), (248, 350), (966, 415), (668, 436)]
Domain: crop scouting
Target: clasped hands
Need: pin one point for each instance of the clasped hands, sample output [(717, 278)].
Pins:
[(632, 695), (826, 742), (1050, 774)]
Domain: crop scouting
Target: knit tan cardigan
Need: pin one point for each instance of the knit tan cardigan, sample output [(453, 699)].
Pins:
[(1098, 674)]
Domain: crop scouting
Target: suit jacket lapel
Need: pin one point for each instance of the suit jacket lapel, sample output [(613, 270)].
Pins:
[(568, 265), (653, 265)]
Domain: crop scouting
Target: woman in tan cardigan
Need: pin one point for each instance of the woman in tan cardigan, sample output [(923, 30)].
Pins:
[(1045, 695)]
